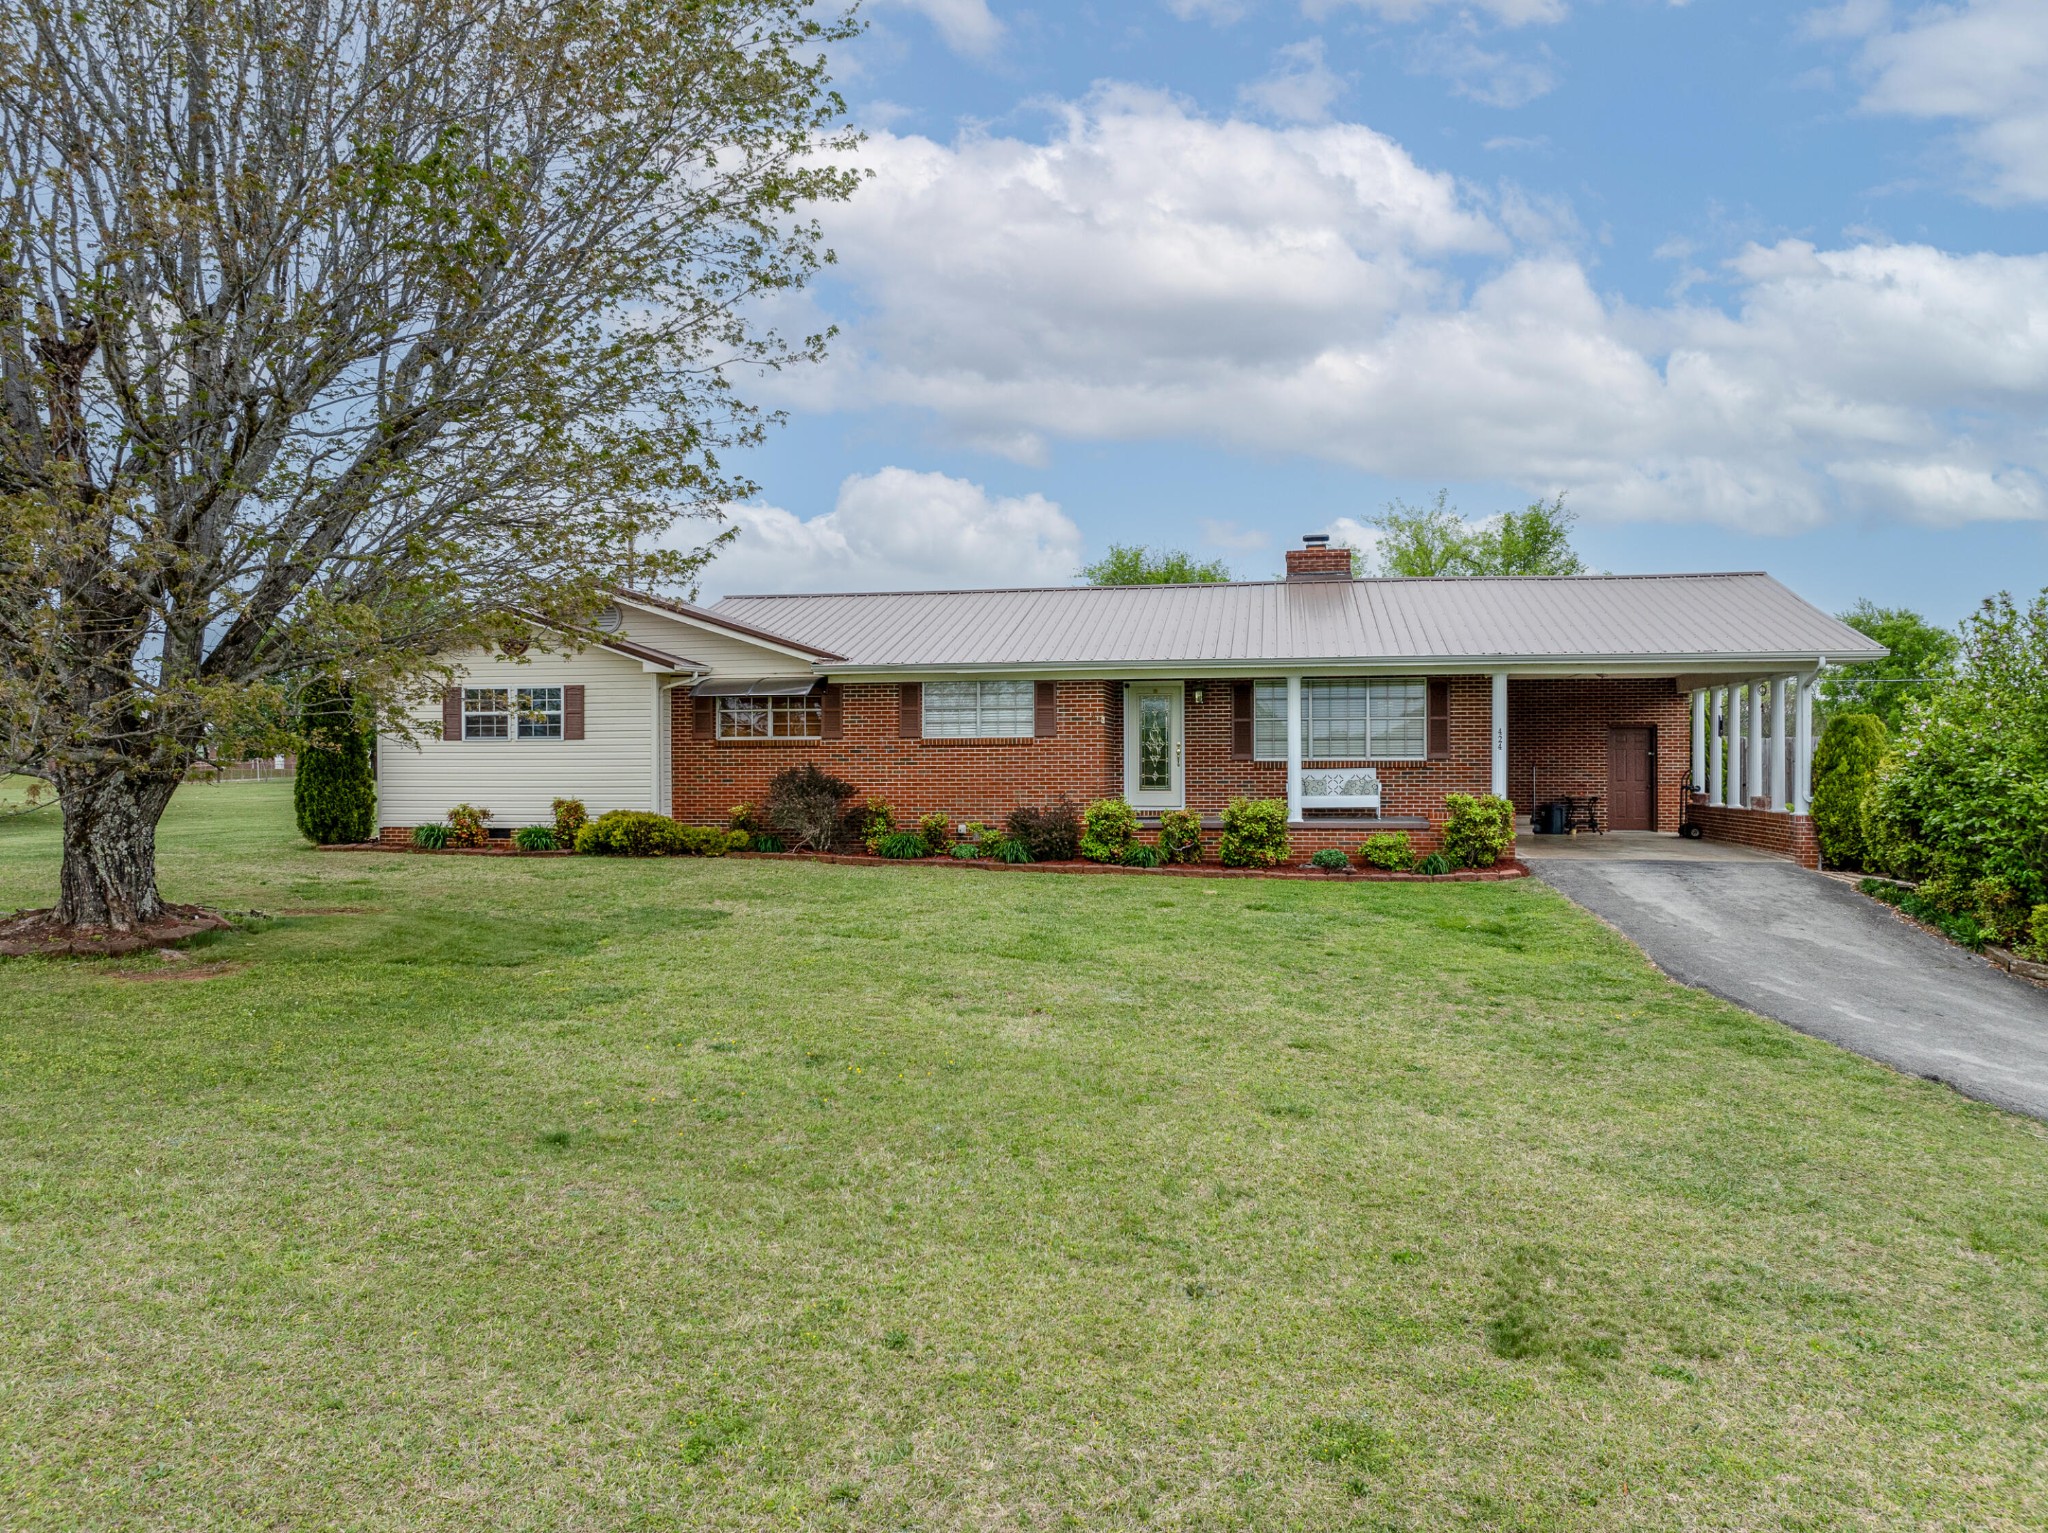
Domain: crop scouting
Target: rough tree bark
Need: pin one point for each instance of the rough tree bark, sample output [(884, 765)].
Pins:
[(109, 873)]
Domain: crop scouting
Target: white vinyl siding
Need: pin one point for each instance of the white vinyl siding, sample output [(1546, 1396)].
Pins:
[(978, 710), (612, 767), (1346, 718)]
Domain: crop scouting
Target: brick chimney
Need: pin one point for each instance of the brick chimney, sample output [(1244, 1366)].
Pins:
[(1317, 560)]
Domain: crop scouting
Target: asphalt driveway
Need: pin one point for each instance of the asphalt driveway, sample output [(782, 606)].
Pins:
[(1819, 957)]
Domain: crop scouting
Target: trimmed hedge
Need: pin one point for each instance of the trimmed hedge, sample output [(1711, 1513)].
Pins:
[(636, 833), (1389, 849), (334, 793)]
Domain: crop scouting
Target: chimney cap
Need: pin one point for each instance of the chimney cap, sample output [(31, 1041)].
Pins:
[(1314, 539)]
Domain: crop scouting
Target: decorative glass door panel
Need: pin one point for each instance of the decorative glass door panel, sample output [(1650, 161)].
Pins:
[(1152, 745)]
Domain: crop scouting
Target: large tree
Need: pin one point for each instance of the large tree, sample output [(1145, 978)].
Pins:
[(336, 332), (1921, 656), (1133, 564), (1420, 541)]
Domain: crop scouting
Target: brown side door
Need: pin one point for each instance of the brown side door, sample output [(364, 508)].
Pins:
[(1631, 779)]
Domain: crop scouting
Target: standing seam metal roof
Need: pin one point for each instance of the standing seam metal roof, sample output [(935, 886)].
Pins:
[(1701, 618)]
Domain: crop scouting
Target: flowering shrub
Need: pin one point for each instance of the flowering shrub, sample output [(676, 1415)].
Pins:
[(466, 825), (570, 817)]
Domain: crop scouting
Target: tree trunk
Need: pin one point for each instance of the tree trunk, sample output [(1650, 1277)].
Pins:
[(109, 876)]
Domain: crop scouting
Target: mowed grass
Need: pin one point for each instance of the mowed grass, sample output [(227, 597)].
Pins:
[(714, 1194)]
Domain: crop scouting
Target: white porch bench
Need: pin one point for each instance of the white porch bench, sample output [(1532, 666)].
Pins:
[(1341, 788)]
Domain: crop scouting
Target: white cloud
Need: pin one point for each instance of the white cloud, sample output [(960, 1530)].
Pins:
[(1983, 63), (899, 530), (1151, 274), (1232, 538), (1486, 75), (1300, 88), (967, 26)]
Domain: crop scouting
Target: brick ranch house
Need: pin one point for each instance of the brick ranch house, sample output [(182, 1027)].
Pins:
[(1360, 702)]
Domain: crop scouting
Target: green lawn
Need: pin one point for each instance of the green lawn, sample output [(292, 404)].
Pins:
[(706, 1194)]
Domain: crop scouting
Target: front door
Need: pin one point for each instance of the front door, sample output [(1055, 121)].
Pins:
[(1631, 779), (1152, 745)]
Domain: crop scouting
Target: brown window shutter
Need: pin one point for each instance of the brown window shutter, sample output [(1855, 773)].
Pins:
[(831, 725), (1045, 716), (705, 725), (572, 713), (910, 719), (1240, 721), (1440, 720), (451, 714)]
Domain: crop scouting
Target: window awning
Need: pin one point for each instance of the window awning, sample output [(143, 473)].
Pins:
[(766, 686)]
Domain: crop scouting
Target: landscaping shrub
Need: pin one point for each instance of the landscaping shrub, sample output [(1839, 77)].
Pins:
[(466, 825), (570, 817), (872, 821), (1937, 909), (1844, 765), (975, 834), (1963, 792), (1051, 833), (966, 851), (534, 838), (937, 833), (635, 833), (1005, 849), (1479, 829), (1180, 836), (900, 845), (1330, 860), (430, 838), (1436, 864), (1255, 833), (2036, 945), (1389, 849), (1108, 827), (1139, 855), (334, 793), (742, 817), (804, 806), (761, 841), (2002, 911)]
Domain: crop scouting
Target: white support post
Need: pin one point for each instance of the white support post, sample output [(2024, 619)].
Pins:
[(1500, 734), (1293, 749), (1802, 752), (1777, 789), (1699, 739), (1754, 777), (1737, 794), (1715, 793)]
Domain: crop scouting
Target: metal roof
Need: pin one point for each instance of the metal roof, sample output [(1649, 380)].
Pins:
[(731, 622), (1683, 621)]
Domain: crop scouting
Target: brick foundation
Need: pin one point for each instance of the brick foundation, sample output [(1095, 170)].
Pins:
[(1782, 835)]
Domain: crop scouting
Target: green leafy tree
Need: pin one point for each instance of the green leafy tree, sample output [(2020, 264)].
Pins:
[(1921, 655), (1132, 564), (1845, 763), (1421, 541), (1964, 794), (334, 792), (334, 336)]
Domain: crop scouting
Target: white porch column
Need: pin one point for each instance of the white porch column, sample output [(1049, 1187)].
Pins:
[(1716, 793), (1754, 777), (1500, 734), (1738, 795), (1777, 789), (1293, 749), (1802, 750), (1699, 739)]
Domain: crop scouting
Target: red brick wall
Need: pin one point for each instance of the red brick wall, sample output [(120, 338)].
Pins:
[(1782, 835), (1559, 727), (986, 779)]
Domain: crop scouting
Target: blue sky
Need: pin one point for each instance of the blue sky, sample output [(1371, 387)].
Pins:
[(1755, 287)]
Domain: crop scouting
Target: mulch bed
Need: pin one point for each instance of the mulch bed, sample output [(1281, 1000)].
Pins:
[(35, 933), (1499, 873)]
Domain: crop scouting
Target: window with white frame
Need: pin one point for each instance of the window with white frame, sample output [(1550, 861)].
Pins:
[(511, 713), (771, 718), (1344, 719), (486, 713), (540, 713), (972, 710)]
